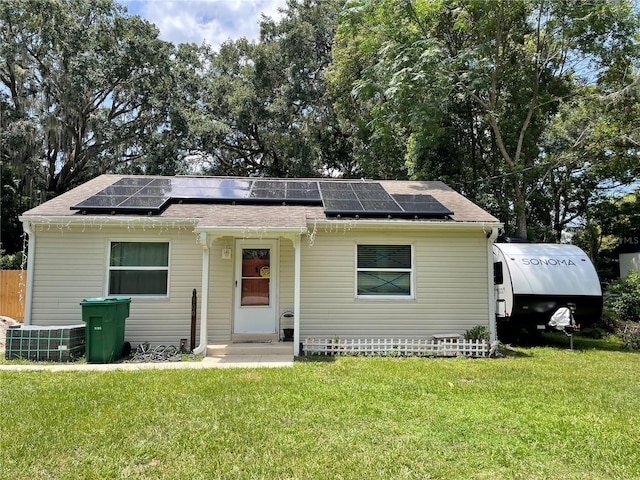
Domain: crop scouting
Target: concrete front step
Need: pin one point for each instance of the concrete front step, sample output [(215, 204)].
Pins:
[(240, 347)]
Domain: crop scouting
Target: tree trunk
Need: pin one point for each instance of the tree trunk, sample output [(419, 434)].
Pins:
[(521, 211)]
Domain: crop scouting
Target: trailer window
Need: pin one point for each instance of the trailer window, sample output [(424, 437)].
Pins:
[(384, 271), (498, 277)]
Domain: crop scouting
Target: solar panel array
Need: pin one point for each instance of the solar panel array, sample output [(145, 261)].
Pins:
[(340, 199)]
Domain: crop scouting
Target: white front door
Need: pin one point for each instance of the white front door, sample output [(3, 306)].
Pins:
[(255, 286)]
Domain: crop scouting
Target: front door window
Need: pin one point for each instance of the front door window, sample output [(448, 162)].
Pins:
[(256, 275)]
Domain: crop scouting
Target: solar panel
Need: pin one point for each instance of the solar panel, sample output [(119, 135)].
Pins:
[(161, 182), (136, 181), (386, 207), (119, 190), (422, 205), (187, 193), (308, 196), (357, 199), (144, 203), (297, 185), (100, 202), (268, 190), (119, 202), (154, 192), (286, 191), (369, 191), (342, 207)]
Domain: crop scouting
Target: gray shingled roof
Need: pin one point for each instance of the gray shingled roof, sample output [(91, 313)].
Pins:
[(291, 216)]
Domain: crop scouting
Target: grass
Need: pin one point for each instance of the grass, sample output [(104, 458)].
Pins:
[(537, 413)]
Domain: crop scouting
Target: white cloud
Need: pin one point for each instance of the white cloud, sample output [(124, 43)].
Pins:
[(208, 21)]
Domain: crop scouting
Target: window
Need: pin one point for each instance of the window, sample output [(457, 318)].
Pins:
[(139, 268), (384, 271), (498, 275)]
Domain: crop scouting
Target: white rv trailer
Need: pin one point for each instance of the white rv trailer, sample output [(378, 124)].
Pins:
[(533, 280)]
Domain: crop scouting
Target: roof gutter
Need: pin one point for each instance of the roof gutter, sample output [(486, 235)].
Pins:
[(383, 223), (116, 220)]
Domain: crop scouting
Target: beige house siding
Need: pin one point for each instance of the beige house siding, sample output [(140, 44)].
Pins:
[(221, 278), (450, 286), (450, 269), (287, 275), (71, 265)]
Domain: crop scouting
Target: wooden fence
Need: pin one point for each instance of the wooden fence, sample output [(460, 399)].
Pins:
[(445, 347), (12, 293)]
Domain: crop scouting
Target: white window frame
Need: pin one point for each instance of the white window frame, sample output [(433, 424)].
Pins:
[(111, 268), (411, 271)]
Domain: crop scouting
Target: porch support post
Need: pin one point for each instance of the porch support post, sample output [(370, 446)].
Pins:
[(204, 302), (296, 297)]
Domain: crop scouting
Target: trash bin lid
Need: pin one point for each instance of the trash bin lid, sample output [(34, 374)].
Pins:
[(93, 300)]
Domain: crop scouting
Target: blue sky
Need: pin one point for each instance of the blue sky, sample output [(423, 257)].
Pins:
[(209, 21)]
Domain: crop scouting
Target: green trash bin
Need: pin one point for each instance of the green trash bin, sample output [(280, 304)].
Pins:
[(104, 329)]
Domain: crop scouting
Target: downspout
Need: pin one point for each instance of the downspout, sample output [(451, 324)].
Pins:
[(493, 331), (204, 305), (31, 260), (296, 297)]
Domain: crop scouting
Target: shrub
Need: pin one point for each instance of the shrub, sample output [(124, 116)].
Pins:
[(479, 332), (622, 309), (629, 334), (624, 299), (10, 262)]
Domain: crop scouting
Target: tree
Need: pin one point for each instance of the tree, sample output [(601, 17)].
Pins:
[(496, 72), (589, 154), (81, 83), (260, 108), (611, 226), (12, 203), (292, 60)]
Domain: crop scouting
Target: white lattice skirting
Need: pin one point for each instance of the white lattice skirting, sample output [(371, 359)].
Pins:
[(446, 347)]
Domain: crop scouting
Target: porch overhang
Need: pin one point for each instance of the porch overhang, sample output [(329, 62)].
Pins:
[(250, 222)]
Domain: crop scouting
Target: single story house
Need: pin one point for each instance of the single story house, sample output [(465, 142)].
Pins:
[(327, 258)]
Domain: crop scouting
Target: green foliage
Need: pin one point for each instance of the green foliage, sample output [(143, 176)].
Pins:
[(469, 92), (624, 298), (479, 332), (11, 261), (529, 108), (622, 310), (82, 83), (612, 227), (13, 202), (257, 109), (629, 334)]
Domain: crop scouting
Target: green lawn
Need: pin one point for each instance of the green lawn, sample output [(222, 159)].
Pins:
[(538, 413)]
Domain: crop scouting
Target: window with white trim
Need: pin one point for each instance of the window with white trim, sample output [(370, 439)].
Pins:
[(384, 271), (139, 268)]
